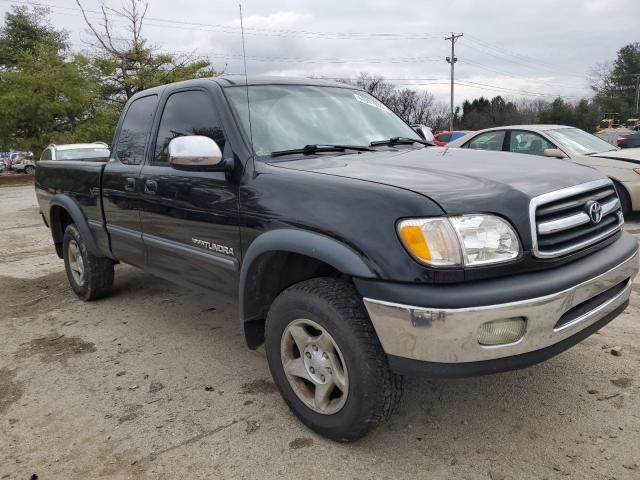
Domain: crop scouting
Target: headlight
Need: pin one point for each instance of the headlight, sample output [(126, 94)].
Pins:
[(468, 240)]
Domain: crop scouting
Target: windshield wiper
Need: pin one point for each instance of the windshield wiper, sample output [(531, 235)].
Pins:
[(311, 149), (400, 141)]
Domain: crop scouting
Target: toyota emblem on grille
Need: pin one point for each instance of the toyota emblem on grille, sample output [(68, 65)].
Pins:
[(594, 209)]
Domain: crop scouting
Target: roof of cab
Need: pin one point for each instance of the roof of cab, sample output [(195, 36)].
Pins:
[(239, 80)]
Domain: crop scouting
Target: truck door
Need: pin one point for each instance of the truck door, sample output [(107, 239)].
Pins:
[(189, 218), (121, 181)]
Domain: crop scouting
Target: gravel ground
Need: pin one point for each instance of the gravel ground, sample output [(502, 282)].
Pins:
[(154, 382)]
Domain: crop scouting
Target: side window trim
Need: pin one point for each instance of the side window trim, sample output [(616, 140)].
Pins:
[(162, 104), (153, 142), (506, 140)]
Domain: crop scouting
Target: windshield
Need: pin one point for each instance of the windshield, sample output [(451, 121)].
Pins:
[(82, 153), (287, 117), (579, 142)]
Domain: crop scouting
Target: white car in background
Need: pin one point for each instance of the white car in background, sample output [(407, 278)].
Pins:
[(96, 151), (24, 165), (568, 143)]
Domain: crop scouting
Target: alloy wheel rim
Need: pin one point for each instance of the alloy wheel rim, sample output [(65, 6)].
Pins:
[(314, 366), (76, 264)]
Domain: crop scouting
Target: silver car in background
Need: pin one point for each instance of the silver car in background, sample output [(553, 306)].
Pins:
[(567, 143), (96, 151)]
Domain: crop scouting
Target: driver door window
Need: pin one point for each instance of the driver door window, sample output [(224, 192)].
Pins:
[(528, 143)]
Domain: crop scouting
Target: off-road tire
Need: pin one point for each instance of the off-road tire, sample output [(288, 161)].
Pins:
[(374, 391), (98, 272)]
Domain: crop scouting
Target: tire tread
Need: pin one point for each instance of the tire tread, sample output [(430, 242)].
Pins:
[(99, 271)]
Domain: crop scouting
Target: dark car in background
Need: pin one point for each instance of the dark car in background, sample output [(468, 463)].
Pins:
[(628, 140), (620, 137)]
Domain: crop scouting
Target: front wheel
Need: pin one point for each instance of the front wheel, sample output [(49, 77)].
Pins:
[(327, 361), (625, 200), (90, 277), (29, 170)]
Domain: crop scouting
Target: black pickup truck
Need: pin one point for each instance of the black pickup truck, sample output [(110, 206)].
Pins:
[(357, 252)]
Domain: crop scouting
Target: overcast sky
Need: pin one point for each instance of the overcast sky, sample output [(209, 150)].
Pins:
[(513, 48)]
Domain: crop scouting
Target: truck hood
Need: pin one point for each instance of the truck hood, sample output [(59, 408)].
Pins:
[(459, 180)]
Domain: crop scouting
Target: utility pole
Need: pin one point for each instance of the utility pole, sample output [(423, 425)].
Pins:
[(637, 75), (452, 60)]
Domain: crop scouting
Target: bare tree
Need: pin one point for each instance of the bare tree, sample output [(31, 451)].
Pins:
[(127, 63), (413, 106)]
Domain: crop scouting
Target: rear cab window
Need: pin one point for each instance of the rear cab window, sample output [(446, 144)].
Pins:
[(46, 155), (132, 138)]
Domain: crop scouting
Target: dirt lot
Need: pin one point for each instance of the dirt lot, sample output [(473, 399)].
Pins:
[(154, 382), (15, 179)]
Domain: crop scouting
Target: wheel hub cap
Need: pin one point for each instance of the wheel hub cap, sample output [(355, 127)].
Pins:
[(314, 366), (76, 264), (317, 363)]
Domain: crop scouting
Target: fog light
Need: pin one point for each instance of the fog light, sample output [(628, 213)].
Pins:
[(500, 332)]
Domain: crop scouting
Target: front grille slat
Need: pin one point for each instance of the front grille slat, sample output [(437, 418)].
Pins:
[(561, 221), (564, 206), (578, 232), (580, 218)]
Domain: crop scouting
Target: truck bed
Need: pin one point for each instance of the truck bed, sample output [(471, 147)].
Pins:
[(78, 179)]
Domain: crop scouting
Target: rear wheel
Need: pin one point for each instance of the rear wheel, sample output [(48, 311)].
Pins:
[(29, 170), (90, 277), (327, 361)]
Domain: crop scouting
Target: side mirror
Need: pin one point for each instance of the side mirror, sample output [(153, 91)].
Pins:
[(554, 153), (194, 152), (424, 132)]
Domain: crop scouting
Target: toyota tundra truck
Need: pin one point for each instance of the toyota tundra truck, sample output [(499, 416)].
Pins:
[(357, 252)]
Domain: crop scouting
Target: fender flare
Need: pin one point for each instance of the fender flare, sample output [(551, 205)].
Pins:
[(80, 221), (303, 242)]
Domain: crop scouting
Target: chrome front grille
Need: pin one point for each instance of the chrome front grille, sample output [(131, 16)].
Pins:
[(574, 218)]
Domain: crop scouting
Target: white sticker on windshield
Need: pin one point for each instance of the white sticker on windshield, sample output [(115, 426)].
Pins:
[(372, 102)]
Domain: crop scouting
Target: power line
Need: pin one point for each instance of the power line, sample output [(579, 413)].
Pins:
[(220, 28), (505, 51), (502, 72), (484, 86), (336, 60), (483, 46), (471, 84), (521, 63)]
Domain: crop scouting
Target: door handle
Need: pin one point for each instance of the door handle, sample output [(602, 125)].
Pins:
[(151, 187), (130, 184)]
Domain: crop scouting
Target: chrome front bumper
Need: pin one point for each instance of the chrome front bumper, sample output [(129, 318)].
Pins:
[(451, 335)]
